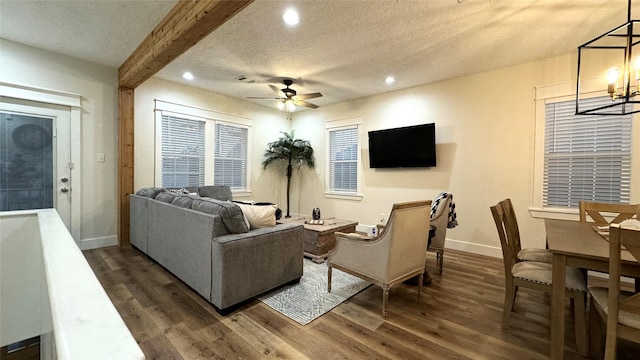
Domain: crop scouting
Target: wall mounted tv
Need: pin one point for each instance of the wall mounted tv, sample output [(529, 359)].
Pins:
[(411, 146)]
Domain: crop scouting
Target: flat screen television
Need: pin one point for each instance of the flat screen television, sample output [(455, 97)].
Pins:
[(410, 146)]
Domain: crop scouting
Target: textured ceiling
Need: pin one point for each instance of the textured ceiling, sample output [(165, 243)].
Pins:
[(343, 49)]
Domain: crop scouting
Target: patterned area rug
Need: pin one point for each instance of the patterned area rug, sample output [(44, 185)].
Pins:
[(309, 299)]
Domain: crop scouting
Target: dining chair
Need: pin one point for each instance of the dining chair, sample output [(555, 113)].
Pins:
[(599, 212), (440, 220), (537, 276), (620, 308), (396, 254), (526, 254)]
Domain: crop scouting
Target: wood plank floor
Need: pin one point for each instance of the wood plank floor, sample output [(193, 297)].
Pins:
[(457, 317)]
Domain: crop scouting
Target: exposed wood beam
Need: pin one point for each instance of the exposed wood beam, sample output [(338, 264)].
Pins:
[(184, 26)]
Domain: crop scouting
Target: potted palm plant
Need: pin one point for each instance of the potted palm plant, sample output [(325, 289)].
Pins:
[(292, 151)]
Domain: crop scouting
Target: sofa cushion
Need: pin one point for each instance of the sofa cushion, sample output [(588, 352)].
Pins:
[(184, 201), (165, 197), (230, 213), (219, 192), (259, 216), (150, 192)]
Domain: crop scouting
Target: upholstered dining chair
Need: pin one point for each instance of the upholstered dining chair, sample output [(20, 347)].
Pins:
[(621, 309), (526, 254), (396, 254), (441, 221), (599, 212), (538, 276)]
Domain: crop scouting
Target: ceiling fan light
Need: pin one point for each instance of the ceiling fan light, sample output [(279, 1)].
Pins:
[(281, 105), (291, 107)]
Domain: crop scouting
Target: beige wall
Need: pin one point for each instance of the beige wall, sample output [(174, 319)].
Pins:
[(485, 150), (97, 86)]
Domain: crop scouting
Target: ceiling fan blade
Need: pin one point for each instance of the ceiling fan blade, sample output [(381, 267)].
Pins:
[(277, 91), (305, 104), (264, 98), (308, 96)]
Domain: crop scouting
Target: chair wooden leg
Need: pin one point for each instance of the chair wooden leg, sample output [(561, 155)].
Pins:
[(420, 280), (509, 301), (440, 259), (385, 300), (329, 268), (580, 322), (597, 331)]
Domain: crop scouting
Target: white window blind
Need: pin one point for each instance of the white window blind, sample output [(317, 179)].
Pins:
[(230, 158), (585, 157), (343, 160), (182, 152)]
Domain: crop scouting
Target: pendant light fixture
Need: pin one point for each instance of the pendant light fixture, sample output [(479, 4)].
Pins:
[(614, 57)]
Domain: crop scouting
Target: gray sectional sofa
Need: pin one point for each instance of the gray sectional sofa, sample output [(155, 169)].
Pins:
[(204, 241)]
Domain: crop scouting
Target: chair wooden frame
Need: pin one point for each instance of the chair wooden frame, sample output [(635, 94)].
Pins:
[(598, 210), (440, 220), (630, 239), (390, 258), (512, 283)]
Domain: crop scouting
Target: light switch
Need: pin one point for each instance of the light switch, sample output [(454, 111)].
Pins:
[(100, 157)]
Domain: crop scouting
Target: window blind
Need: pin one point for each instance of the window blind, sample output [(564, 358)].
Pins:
[(182, 152), (585, 157), (230, 157), (343, 160)]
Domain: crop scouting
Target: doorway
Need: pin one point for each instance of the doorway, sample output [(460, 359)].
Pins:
[(35, 157)]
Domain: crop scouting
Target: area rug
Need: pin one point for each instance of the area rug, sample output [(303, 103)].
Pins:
[(307, 300)]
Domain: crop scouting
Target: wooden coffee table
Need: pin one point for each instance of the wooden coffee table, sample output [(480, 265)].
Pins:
[(319, 239)]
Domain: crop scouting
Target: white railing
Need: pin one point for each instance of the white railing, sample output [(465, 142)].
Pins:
[(47, 289)]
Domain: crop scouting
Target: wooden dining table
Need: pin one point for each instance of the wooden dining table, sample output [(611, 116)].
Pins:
[(579, 245)]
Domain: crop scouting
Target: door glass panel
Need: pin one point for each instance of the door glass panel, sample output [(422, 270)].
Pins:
[(26, 162)]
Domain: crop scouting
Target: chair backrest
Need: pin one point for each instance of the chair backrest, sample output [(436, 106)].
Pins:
[(513, 232), (409, 233), (629, 238), (599, 211), (440, 220), (500, 217)]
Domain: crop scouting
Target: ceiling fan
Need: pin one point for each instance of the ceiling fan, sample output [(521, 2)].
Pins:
[(289, 98)]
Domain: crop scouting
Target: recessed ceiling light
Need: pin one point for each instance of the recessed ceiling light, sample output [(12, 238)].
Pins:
[(291, 17), (187, 75), (389, 80)]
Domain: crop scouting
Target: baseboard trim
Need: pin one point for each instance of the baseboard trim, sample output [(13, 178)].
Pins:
[(479, 249), (95, 243)]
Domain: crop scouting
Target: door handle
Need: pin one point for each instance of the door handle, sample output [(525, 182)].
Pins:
[(64, 190)]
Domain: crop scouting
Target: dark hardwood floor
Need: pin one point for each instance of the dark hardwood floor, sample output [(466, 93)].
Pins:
[(457, 317)]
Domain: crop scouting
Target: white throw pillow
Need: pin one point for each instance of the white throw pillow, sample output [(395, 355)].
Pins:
[(259, 216)]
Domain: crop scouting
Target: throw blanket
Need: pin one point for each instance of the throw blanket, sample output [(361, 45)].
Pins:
[(453, 218)]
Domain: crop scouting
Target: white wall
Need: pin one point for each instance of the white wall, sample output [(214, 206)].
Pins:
[(97, 84), (485, 150), (267, 125)]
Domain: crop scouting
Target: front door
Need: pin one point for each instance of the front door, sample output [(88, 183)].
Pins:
[(35, 157)]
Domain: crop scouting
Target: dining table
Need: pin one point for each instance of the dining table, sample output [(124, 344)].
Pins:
[(580, 245)]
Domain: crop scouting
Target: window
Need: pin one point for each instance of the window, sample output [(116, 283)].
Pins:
[(585, 157), (343, 160), (230, 156), (182, 161)]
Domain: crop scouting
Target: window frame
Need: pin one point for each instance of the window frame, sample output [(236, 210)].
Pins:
[(566, 92), (343, 124), (210, 117)]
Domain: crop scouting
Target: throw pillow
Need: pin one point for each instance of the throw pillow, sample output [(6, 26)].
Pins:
[(230, 213), (179, 191), (259, 216)]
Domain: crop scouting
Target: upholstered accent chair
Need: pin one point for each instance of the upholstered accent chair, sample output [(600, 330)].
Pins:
[(441, 221), (396, 254), (620, 308), (536, 275)]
